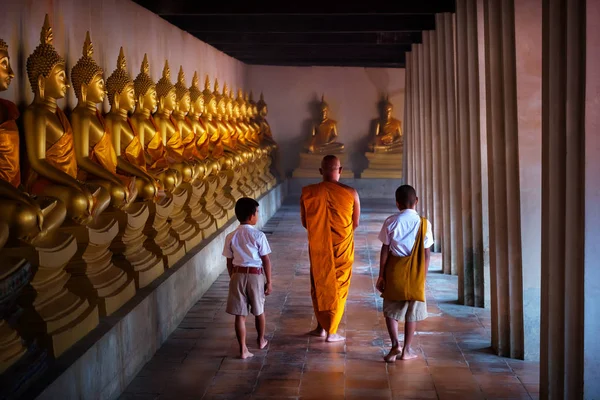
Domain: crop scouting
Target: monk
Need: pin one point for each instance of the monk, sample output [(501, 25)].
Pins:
[(330, 213)]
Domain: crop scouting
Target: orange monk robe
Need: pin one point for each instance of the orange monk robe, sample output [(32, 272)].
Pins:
[(10, 169), (61, 155), (327, 209)]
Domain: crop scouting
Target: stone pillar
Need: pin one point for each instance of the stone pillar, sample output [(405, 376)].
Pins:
[(565, 204), (453, 149), (591, 289), (427, 194), (408, 134), (436, 175), (503, 171), (420, 185), (444, 140)]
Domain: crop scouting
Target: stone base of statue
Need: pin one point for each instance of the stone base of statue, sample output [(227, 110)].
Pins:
[(130, 249), (11, 346), (93, 274), (383, 165), (210, 204), (197, 214), (164, 242), (54, 315), (311, 162), (223, 195), (185, 232)]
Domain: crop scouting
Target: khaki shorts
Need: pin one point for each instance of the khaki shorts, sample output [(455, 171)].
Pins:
[(411, 311), (246, 291)]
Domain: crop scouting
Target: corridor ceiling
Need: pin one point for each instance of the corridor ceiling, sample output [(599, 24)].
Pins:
[(297, 33)]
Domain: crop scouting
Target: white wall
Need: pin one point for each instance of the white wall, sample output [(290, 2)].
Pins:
[(353, 94)]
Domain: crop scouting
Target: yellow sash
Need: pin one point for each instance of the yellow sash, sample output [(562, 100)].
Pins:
[(405, 276)]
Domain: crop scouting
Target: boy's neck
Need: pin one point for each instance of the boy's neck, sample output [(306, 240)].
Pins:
[(246, 223)]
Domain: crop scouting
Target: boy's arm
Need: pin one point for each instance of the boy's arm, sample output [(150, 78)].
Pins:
[(266, 261), (383, 257), (230, 266)]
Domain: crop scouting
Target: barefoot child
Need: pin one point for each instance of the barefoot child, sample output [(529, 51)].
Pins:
[(403, 265), (247, 251)]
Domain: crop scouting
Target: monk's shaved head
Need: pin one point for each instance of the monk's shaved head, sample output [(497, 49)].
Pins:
[(331, 168)]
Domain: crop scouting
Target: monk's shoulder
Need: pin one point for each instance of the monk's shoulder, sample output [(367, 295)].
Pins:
[(309, 190), (349, 189)]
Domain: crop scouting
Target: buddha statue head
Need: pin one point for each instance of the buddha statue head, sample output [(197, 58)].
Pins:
[(210, 100), (196, 97), (324, 108), (252, 109), (46, 68), (182, 93), (228, 102), (6, 72), (388, 108), (144, 88), (87, 76), (262, 107), (221, 100), (119, 85), (165, 90), (241, 104), (237, 108)]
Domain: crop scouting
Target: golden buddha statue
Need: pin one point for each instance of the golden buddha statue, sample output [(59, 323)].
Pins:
[(251, 112), (224, 130), (386, 147), (209, 118), (196, 120), (143, 124), (94, 151), (26, 217), (49, 137), (167, 127), (127, 145), (324, 134), (266, 135), (388, 132)]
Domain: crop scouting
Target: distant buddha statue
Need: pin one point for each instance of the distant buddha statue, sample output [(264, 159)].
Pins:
[(388, 132), (324, 134)]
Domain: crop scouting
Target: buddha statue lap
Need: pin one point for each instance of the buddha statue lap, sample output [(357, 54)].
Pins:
[(55, 315), (386, 147), (139, 262), (159, 226), (322, 142)]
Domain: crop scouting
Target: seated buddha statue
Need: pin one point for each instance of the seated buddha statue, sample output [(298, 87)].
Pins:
[(49, 137), (388, 132), (94, 151), (237, 133), (167, 127), (224, 130), (183, 124), (324, 134), (216, 149), (196, 120), (127, 144), (266, 136), (26, 217), (143, 124)]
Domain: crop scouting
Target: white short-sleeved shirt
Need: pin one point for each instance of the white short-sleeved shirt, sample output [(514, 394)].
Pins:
[(399, 231), (246, 245)]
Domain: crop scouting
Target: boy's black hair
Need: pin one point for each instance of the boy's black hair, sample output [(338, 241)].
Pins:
[(406, 196), (245, 208)]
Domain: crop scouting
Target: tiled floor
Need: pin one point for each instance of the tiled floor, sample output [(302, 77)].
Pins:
[(199, 359)]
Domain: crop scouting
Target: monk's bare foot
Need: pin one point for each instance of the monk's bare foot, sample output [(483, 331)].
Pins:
[(262, 343), (408, 354), (391, 356), (319, 332), (246, 354), (334, 337)]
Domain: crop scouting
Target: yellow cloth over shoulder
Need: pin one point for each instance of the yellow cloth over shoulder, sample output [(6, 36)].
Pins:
[(405, 276), (328, 209)]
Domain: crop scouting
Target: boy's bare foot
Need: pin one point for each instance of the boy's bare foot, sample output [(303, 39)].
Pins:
[(246, 354), (262, 343), (319, 332), (334, 337), (391, 356), (409, 354)]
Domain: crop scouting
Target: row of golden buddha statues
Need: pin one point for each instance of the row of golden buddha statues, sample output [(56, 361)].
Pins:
[(385, 148), (104, 203)]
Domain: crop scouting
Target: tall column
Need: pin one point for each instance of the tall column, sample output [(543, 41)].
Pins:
[(436, 161), (421, 187), (415, 115), (591, 375), (427, 189), (440, 23), (503, 170), (563, 200), (454, 150), (408, 135)]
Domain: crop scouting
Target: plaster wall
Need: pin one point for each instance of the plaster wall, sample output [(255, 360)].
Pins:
[(353, 94)]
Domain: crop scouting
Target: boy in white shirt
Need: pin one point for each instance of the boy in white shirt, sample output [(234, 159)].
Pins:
[(403, 266), (247, 251)]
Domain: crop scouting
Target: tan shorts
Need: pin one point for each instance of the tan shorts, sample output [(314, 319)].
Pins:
[(246, 291), (411, 311)]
